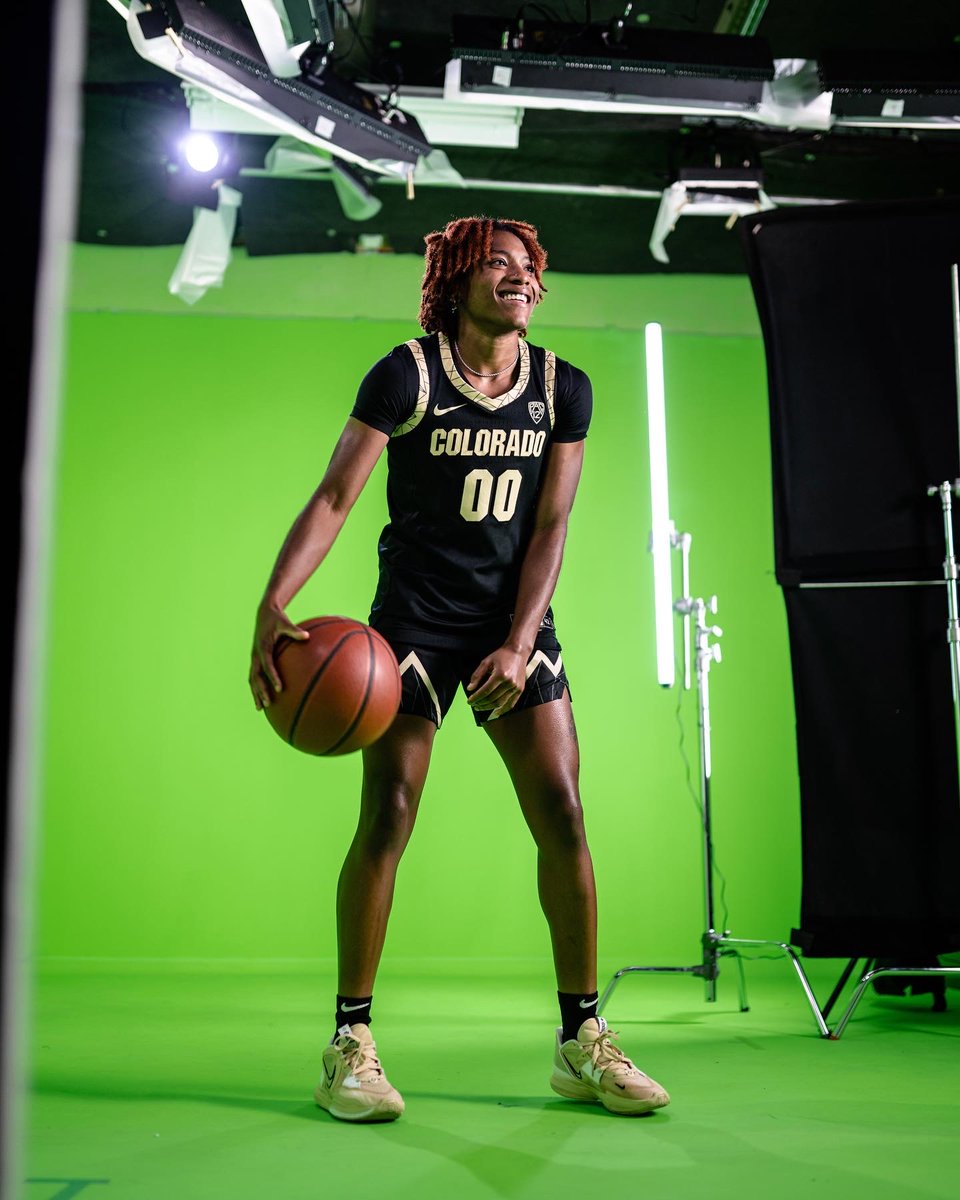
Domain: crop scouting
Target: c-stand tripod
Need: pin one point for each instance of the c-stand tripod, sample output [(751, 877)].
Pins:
[(714, 944)]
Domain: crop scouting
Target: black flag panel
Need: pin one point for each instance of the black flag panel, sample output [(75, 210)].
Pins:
[(855, 305), (880, 823)]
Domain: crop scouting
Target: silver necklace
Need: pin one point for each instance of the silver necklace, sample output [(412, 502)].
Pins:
[(492, 374)]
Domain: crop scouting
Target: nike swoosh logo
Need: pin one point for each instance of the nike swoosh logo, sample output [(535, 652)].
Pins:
[(439, 412), (588, 1003), (573, 1069), (331, 1075), (351, 1007)]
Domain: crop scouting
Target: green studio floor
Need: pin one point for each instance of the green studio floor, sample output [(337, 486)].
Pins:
[(193, 1079)]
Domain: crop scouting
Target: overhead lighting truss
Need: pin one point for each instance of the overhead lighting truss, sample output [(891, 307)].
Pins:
[(551, 64), (617, 68), (203, 48)]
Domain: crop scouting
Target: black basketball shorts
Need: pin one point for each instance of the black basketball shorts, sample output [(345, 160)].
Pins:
[(430, 676)]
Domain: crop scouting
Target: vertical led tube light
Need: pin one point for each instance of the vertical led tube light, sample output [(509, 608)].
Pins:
[(661, 537)]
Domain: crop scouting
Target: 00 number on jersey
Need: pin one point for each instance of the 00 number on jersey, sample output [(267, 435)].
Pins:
[(481, 496)]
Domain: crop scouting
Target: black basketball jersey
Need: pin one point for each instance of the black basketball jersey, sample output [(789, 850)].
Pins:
[(463, 478)]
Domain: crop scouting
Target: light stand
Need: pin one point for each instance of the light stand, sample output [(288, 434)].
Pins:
[(714, 944), (664, 539), (946, 491)]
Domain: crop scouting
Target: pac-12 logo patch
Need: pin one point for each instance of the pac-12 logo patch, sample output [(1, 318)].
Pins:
[(536, 409)]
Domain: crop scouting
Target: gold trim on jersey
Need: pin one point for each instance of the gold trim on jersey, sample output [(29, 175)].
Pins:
[(550, 381), (494, 403), (423, 390)]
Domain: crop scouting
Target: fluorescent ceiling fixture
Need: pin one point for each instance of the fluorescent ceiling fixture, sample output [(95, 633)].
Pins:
[(517, 97), (793, 99), (704, 199), (940, 124), (662, 528)]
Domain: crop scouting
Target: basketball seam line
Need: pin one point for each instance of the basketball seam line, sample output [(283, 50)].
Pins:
[(366, 696), (308, 690)]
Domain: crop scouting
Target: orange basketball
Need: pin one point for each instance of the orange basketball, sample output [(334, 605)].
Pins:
[(341, 687)]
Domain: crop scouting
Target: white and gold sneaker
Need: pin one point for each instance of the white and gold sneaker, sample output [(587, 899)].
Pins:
[(354, 1087), (593, 1067)]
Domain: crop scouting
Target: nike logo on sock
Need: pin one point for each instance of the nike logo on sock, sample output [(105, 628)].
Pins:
[(351, 1007), (588, 1003)]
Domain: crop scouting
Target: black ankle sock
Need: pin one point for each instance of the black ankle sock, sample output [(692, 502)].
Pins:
[(353, 1010), (575, 1008)]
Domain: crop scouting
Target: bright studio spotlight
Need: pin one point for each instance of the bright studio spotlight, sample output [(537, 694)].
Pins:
[(199, 164), (201, 153)]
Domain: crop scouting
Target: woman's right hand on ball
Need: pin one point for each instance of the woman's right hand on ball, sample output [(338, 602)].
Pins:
[(272, 625)]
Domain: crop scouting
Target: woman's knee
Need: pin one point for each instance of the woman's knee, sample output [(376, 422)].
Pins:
[(387, 814), (559, 821), (394, 771)]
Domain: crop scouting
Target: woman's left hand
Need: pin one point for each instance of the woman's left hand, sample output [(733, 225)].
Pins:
[(498, 682)]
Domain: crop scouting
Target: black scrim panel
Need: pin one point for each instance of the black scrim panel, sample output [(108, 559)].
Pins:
[(855, 305), (880, 826)]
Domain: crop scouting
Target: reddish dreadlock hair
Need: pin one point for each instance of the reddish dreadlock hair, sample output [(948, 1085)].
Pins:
[(453, 253)]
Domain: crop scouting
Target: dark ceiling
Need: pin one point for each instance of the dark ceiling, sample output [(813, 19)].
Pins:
[(132, 109)]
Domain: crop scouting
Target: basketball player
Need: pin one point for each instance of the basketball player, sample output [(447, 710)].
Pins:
[(484, 435)]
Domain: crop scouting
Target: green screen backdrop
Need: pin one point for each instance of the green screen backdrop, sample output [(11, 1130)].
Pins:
[(175, 823)]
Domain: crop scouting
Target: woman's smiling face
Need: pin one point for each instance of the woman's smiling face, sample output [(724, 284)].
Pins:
[(502, 291)]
